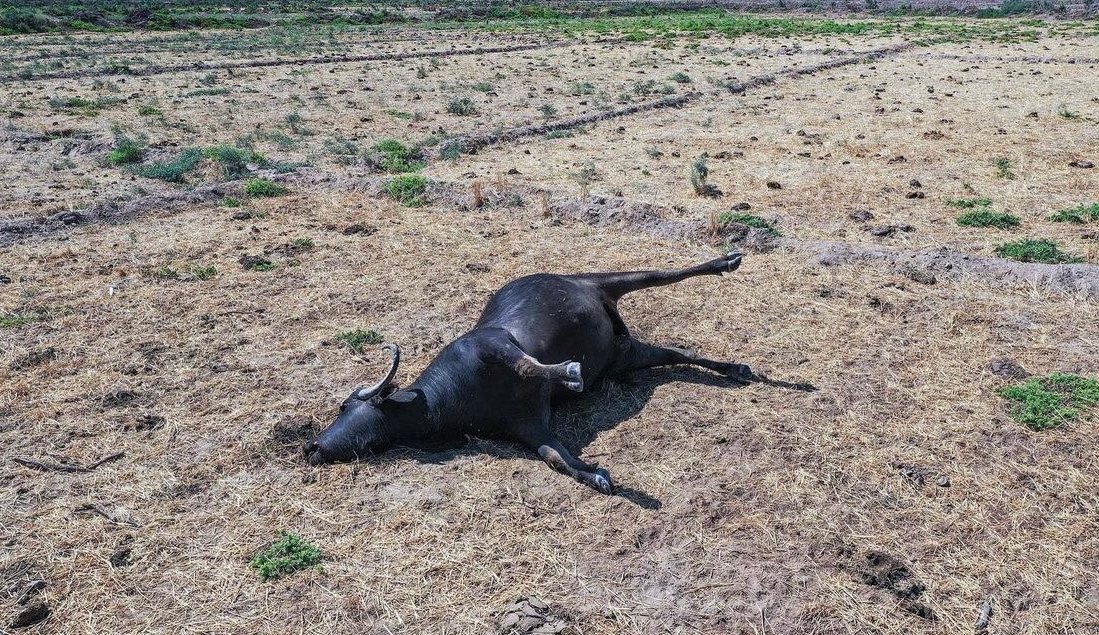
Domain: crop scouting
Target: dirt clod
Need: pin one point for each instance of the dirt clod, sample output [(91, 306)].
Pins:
[(1081, 164), (1007, 367), (34, 358), (33, 614), (530, 615)]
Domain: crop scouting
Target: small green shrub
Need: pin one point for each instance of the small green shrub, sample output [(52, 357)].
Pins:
[(582, 88), (484, 87), (451, 150), (126, 150), (1003, 169), (680, 78), (751, 220), (264, 188), (1047, 402), (549, 111), (1035, 250), (357, 339), (149, 110), (1079, 214), (397, 157), (408, 189), (236, 162), (303, 244), (286, 555), (231, 201), (164, 273), (462, 106), (988, 218), (172, 171)]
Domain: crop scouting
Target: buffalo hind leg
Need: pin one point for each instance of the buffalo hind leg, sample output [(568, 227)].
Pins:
[(641, 355), (616, 285), (497, 345), (556, 455)]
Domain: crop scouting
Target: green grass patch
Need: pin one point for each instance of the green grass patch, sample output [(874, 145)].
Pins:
[(204, 272), (172, 171), (408, 189), (149, 111), (680, 78), (1004, 169), (231, 201), (1079, 214), (1041, 403), (988, 218), (1035, 250), (751, 220), (264, 188), (286, 555), (357, 339)]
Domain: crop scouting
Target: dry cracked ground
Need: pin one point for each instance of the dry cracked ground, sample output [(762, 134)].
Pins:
[(897, 496)]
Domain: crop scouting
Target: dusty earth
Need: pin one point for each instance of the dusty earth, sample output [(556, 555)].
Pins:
[(152, 408)]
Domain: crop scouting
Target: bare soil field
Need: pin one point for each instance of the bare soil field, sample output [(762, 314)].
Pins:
[(170, 336)]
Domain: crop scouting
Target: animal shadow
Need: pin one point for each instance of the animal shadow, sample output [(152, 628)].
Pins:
[(579, 421)]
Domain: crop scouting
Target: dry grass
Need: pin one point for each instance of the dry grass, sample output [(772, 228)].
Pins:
[(769, 499), (757, 485)]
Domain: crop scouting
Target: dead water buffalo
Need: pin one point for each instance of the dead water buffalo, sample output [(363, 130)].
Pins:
[(541, 337)]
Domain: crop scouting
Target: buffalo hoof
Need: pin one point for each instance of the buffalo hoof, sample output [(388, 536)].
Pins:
[(575, 381), (739, 372), (731, 261), (601, 480)]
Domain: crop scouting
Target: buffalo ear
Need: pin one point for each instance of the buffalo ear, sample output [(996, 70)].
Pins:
[(405, 396)]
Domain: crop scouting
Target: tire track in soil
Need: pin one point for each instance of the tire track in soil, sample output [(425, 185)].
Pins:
[(472, 143), (156, 69), (1018, 59)]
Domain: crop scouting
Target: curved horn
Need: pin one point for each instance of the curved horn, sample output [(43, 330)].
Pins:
[(371, 391)]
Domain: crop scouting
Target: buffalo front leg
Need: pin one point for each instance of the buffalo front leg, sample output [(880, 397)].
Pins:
[(557, 456), (639, 355)]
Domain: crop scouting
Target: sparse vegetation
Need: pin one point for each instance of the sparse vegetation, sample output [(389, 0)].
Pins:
[(751, 220), (1042, 403), (969, 203), (264, 188), (286, 555), (1035, 250), (204, 272), (358, 338), (408, 189), (1004, 169), (699, 172), (1080, 214), (680, 78)]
